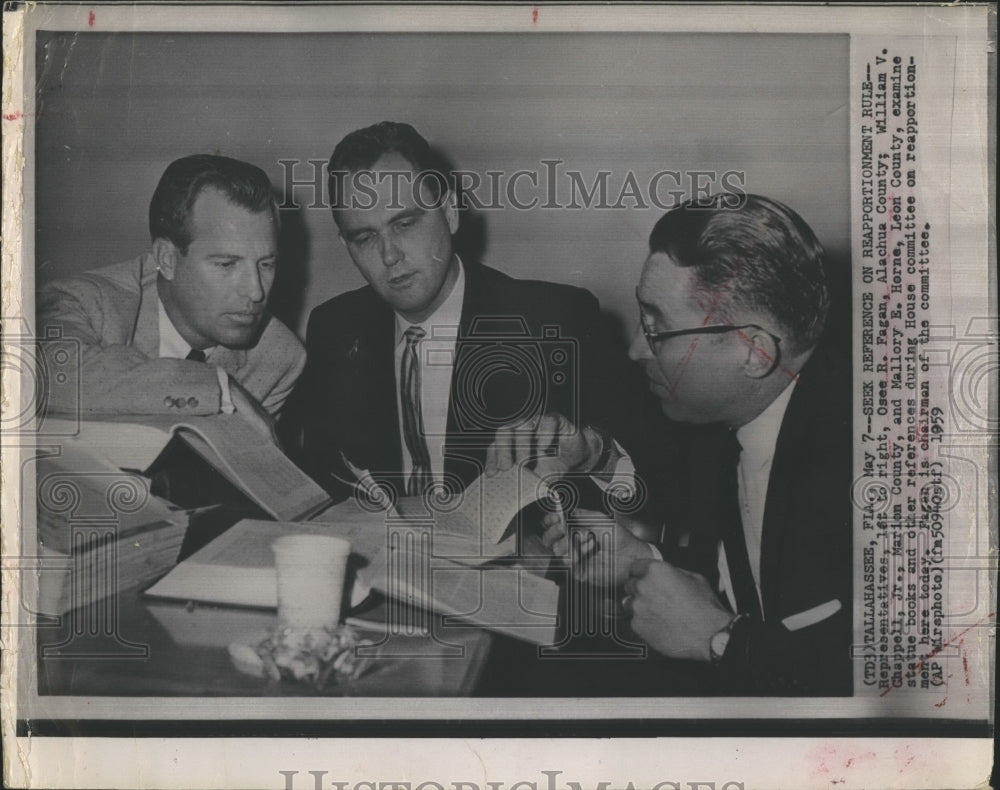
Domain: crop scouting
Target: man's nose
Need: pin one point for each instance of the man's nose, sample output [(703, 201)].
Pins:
[(391, 254), (638, 349), (253, 286)]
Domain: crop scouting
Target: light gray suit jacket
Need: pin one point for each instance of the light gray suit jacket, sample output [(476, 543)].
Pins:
[(112, 312)]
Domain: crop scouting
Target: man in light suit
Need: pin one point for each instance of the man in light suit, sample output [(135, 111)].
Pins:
[(754, 573), (183, 329), (410, 376)]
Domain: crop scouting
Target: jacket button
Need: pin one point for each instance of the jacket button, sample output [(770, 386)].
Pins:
[(192, 401), (169, 402)]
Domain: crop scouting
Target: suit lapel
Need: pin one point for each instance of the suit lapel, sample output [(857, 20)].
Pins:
[(471, 308), (793, 453), (780, 489), (146, 332), (375, 365), (465, 444)]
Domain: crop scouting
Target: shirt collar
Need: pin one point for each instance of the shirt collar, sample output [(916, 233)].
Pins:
[(172, 344), (448, 316), (759, 436)]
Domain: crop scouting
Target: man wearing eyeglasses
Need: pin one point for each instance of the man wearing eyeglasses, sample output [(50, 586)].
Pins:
[(753, 574)]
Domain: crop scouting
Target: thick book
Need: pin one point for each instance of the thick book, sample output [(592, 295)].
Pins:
[(226, 442), (237, 568), (100, 530), (391, 553)]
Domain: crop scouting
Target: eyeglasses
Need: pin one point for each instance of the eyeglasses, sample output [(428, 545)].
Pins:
[(652, 338)]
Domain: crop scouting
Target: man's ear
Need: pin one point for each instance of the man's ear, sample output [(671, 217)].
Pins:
[(165, 254), (450, 207), (762, 353)]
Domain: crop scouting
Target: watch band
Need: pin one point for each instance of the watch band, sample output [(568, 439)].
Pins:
[(719, 641), (607, 449)]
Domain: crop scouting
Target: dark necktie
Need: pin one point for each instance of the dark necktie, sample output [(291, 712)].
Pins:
[(737, 558), (196, 355), (413, 420)]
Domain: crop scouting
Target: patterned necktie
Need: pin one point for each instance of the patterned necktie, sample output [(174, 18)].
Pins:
[(196, 355), (737, 557), (413, 420)]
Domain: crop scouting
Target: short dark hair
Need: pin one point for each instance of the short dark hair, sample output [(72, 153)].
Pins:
[(362, 148), (754, 253), (243, 184)]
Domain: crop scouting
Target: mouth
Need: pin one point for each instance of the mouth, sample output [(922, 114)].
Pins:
[(402, 280), (656, 383), (244, 319)]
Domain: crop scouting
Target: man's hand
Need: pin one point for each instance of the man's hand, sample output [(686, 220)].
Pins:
[(251, 411), (601, 549), (675, 611), (554, 443)]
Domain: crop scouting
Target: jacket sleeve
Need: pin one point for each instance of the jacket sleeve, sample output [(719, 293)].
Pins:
[(89, 370), (770, 659)]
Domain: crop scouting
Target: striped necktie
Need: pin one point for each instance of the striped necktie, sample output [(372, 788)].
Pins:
[(413, 420)]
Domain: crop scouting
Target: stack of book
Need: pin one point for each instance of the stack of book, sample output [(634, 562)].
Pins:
[(102, 529)]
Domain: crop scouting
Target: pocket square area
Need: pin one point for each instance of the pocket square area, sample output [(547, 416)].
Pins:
[(796, 622)]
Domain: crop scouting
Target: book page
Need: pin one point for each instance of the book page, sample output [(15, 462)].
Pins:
[(127, 443), (255, 466), (510, 600), (490, 504)]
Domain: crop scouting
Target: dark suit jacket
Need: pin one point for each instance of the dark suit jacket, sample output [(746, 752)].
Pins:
[(806, 554), (524, 347)]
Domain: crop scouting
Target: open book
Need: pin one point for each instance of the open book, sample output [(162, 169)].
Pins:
[(485, 521), (226, 441)]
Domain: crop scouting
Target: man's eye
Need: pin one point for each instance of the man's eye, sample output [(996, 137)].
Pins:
[(405, 224), (268, 265), (363, 240), (228, 263)]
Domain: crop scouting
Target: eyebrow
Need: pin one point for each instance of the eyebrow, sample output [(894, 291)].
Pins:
[(650, 309), (226, 256), (406, 213)]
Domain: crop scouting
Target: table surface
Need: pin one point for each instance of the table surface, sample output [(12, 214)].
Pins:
[(137, 646), (134, 645)]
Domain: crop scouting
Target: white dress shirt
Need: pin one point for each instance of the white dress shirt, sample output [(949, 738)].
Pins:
[(173, 345), (758, 439), (436, 353)]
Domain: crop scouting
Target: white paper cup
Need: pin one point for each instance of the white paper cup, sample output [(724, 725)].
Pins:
[(310, 570)]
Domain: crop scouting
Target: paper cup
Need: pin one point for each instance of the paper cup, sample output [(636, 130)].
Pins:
[(310, 570)]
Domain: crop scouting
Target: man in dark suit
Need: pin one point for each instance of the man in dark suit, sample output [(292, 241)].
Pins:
[(754, 576), (410, 376)]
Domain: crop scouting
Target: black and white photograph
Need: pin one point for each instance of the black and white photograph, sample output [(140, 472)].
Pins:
[(381, 379)]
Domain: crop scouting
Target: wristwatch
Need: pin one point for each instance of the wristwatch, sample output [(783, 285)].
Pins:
[(720, 640)]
